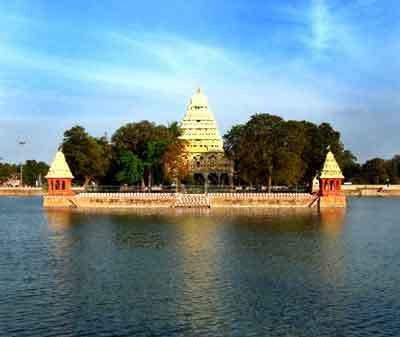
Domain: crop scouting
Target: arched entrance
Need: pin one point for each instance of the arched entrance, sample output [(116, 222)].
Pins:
[(213, 179), (224, 180), (198, 179)]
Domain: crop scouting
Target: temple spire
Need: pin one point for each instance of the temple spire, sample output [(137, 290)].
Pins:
[(199, 127), (59, 167), (331, 168), (59, 178)]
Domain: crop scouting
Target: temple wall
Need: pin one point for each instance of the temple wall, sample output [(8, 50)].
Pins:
[(168, 200), (58, 202), (371, 190), (20, 191), (332, 201), (269, 200)]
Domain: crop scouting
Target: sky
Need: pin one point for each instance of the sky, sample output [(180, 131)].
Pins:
[(101, 64)]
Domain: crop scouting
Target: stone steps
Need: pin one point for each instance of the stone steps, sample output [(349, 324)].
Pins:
[(192, 201)]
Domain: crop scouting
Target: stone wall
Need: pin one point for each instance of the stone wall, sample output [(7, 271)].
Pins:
[(371, 190), (21, 191), (124, 200), (270, 200), (332, 201), (58, 202), (172, 200)]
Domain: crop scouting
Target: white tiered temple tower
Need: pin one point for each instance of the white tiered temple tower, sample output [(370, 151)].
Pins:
[(205, 150)]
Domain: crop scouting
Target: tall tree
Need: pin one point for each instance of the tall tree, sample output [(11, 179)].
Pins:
[(88, 157), (153, 157), (34, 172), (375, 171), (132, 169), (269, 149), (175, 162), (350, 167), (7, 171), (149, 142)]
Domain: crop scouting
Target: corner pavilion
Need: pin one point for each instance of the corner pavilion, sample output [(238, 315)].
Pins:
[(59, 176), (331, 177), (205, 153)]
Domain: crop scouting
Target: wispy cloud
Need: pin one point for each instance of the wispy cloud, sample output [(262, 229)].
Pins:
[(322, 27), (323, 64)]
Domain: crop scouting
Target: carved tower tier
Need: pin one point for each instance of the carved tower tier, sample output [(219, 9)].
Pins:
[(204, 150)]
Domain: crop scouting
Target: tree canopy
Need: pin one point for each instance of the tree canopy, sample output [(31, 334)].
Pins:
[(153, 145), (266, 150), (282, 152), (34, 172), (87, 156), (132, 169)]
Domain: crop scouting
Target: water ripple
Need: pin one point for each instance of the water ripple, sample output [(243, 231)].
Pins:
[(193, 274)]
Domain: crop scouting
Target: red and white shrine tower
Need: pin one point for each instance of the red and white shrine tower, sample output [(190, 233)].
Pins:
[(331, 177), (60, 177), (330, 183)]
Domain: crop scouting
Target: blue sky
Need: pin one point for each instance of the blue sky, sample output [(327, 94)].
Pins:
[(104, 63)]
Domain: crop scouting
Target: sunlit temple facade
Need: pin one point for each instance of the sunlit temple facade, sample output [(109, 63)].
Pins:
[(205, 153), (59, 176), (331, 177)]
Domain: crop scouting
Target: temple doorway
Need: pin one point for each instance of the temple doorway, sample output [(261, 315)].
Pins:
[(198, 179), (213, 179)]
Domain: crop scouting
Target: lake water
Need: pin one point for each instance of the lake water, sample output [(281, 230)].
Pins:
[(198, 274)]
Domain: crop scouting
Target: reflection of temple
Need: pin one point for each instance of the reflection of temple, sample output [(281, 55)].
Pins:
[(59, 219), (206, 156), (332, 221)]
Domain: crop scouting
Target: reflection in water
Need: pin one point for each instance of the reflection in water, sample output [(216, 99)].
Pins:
[(60, 219), (332, 221), (213, 272), (332, 263)]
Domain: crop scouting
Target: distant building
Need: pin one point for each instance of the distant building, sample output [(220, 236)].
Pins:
[(205, 152), (12, 182)]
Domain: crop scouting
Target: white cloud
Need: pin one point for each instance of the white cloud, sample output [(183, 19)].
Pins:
[(321, 25)]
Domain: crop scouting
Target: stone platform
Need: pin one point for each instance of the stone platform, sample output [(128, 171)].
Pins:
[(337, 201), (178, 200)]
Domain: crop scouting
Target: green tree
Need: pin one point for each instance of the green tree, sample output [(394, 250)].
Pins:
[(350, 167), (393, 169), (132, 169), (88, 157), (268, 149), (34, 172), (7, 171), (135, 136), (291, 141), (375, 171), (149, 142), (153, 157)]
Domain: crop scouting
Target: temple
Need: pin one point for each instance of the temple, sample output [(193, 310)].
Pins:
[(330, 183), (59, 176), (205, 153)]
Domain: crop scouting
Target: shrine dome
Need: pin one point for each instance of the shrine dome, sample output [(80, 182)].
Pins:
[(331, 168), (59, 168)]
